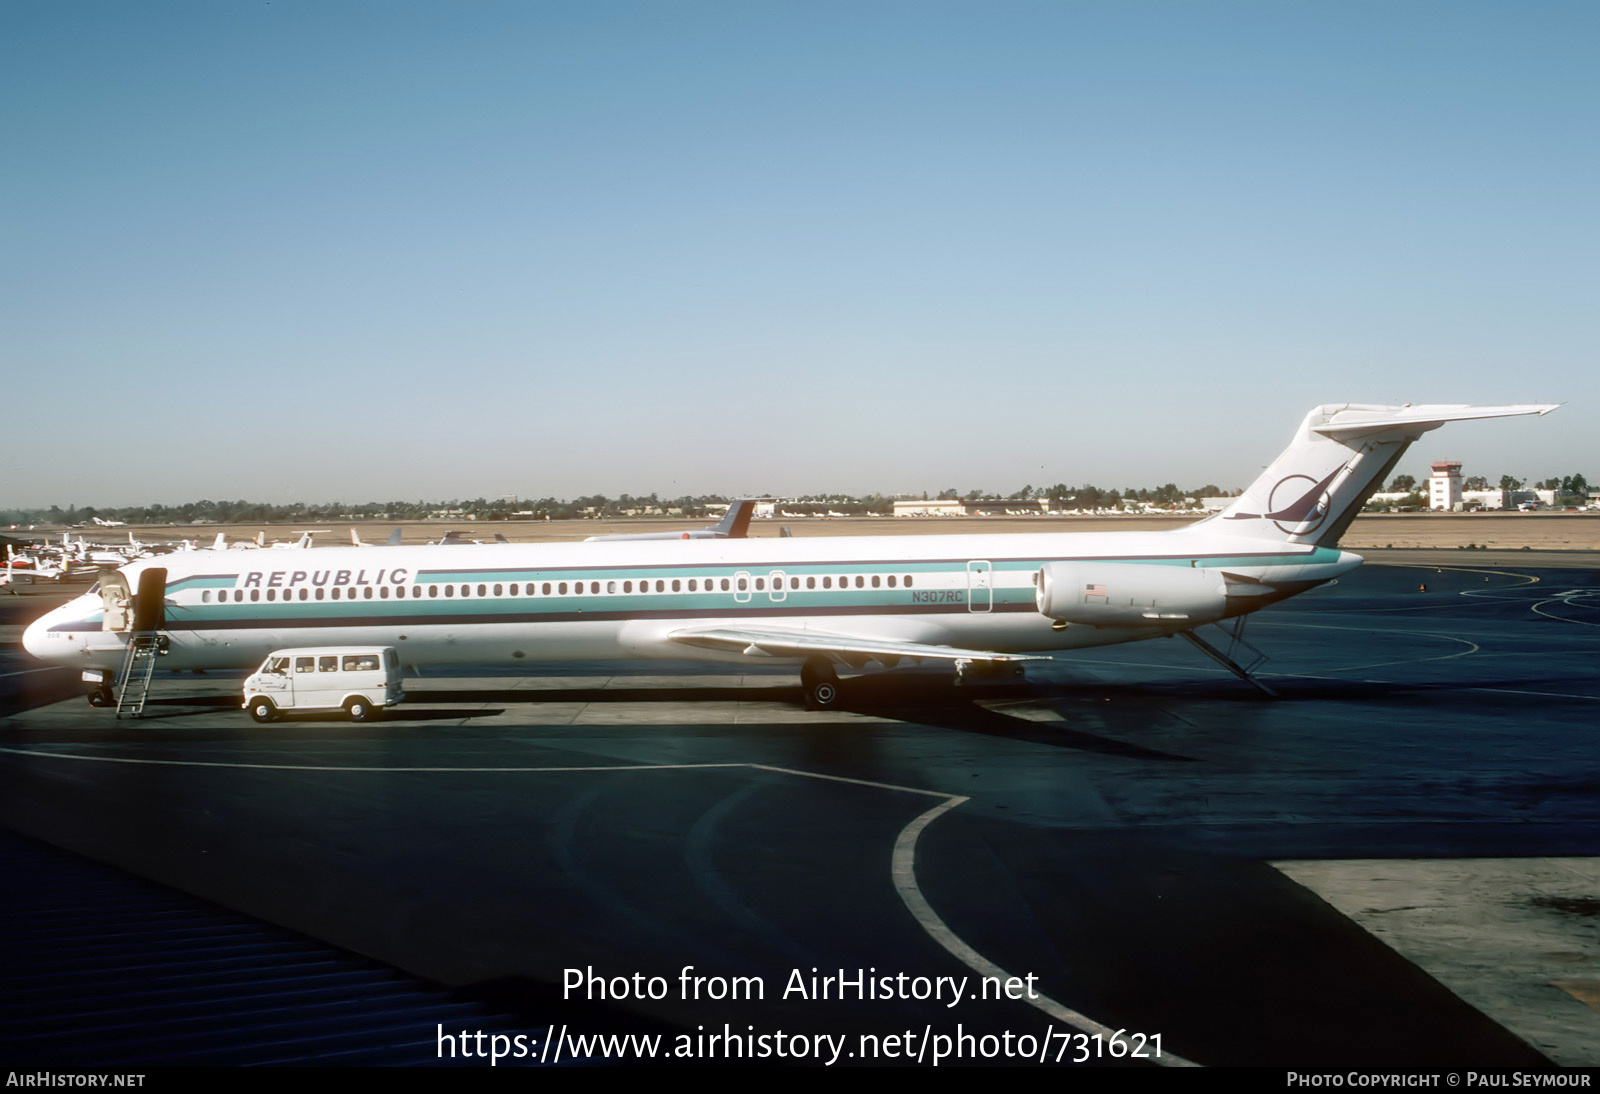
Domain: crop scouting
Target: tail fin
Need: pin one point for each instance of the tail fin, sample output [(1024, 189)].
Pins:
[(735, 524), (1339, 456)]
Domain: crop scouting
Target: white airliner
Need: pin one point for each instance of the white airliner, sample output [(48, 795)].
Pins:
[(982, 602), (735, 524)]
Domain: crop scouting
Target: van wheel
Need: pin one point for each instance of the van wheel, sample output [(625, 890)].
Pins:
[(100, 697), (262, 710), (360, 710)]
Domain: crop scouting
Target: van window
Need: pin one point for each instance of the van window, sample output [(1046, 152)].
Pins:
[(329, 663), (361, 662), (277, 664), (304, 664)]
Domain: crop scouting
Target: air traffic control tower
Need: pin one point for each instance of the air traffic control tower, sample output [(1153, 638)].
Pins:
[(1444, 486)]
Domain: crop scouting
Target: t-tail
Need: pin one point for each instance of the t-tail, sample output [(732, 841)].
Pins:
[(1339, 457)]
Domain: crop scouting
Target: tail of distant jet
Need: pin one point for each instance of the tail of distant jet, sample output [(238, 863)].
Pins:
[(1339, 456), (735, 524)]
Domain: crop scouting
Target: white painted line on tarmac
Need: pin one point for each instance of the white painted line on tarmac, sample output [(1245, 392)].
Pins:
[(395, 770), (903, 867)]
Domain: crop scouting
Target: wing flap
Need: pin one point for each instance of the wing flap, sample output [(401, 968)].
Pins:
[(852, 649)]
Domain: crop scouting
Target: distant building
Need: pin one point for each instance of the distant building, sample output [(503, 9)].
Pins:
[(1546, 498), (1444, 486), (982, 507)]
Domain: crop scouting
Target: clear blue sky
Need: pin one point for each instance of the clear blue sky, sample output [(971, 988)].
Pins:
[(326, 250)]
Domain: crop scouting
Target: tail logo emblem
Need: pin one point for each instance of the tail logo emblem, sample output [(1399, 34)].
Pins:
[(1303, 514)]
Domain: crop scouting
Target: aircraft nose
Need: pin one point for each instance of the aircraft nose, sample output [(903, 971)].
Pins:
[(37, 639), (33, 639)]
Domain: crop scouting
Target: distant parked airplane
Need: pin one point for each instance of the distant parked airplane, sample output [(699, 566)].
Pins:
[(735, 524)]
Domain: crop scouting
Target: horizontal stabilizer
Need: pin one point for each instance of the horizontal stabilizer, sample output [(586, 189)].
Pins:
[(1363, 419)]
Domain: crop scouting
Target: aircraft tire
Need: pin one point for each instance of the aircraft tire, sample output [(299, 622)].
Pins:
[(822, 695), (262, 710), (820, 683)]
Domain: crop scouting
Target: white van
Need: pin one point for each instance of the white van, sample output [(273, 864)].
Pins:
[(360, 679)]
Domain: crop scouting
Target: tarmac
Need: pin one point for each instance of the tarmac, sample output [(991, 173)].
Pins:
[(1392, 864)]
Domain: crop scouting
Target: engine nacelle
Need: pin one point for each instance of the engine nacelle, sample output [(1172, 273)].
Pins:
[(1123, 594)]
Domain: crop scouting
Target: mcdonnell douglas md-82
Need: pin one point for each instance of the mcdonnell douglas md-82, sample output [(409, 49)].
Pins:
[(981, 602)]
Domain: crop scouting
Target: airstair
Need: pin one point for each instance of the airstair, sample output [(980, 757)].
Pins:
[(138, 666)]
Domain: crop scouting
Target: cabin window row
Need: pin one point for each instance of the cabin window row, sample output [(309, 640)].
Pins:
[(564, 588), (364, 592)]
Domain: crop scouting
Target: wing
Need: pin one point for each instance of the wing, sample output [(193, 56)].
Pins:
[(850, 649)]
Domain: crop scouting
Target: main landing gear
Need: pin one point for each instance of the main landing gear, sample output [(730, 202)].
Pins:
[(819, 683)]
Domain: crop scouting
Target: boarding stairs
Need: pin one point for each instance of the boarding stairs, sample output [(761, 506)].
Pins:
[(138, 666)]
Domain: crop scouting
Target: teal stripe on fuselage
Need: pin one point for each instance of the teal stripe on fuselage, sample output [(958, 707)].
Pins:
[(204, 581)]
